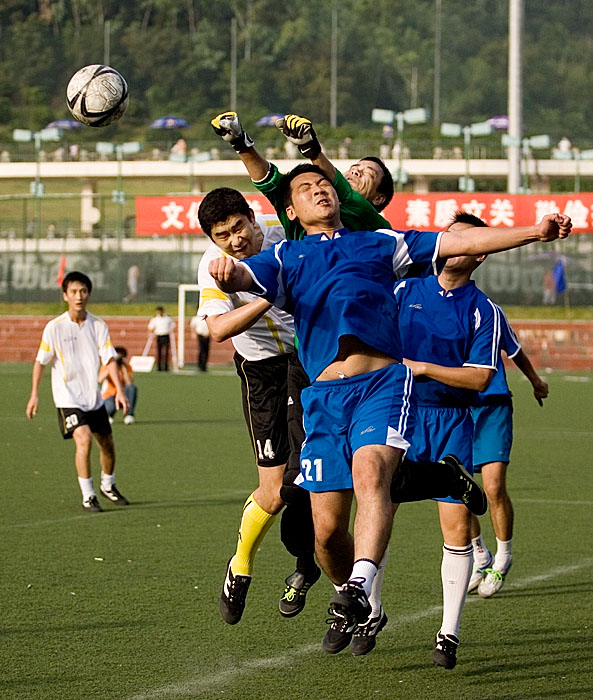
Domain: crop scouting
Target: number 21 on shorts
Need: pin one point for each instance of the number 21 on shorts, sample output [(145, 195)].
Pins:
[(312, 471)]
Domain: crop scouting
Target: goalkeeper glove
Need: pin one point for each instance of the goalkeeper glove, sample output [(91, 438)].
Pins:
[(229, 128), (300, 131)]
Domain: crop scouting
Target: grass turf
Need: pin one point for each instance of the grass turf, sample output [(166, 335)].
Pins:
[(124, 604)]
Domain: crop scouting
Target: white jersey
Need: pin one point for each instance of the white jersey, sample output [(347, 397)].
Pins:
[(76, 353), (273, 334), (161, 325)]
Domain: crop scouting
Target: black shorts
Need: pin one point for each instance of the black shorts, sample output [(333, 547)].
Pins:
[(297, 381), (71, 418), (265, 396)]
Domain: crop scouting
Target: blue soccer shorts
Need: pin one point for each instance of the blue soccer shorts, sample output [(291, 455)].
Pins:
[(441, 431), (493, 434), (343, 415)]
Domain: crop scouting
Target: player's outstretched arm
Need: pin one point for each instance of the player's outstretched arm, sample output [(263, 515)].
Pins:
[(300, 131), (230, 129), (232, 323), (229, 276), (540, 386), (475, 241), (33, 403)]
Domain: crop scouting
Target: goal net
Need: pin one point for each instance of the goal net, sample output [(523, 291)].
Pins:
[(182, 291)]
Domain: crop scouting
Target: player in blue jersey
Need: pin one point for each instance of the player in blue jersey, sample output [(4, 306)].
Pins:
[(493, 438), (339, 288), (450, 334)]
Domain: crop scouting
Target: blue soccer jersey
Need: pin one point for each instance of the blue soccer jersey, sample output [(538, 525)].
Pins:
[(511, 345), (341, 287), (455, 328)]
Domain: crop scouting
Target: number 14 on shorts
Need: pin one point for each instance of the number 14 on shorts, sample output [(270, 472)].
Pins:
[(312, 471)]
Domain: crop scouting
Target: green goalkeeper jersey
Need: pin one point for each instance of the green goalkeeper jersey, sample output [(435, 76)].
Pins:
[(357, 213)]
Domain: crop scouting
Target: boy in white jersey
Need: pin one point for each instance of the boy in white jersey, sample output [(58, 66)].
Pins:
[(76, 344), (263, 337)]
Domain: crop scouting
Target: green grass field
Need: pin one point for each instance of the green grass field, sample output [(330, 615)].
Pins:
[(124, 604)]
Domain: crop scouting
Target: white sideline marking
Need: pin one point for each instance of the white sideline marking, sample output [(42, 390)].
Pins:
[(194, 688)]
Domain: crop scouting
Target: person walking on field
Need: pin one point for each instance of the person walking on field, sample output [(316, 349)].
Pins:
[(76, 344)]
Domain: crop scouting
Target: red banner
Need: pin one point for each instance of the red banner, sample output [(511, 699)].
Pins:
[(173, 216), (432, 212)]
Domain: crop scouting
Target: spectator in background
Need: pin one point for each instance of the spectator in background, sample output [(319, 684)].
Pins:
[(179, 150), (109, 390), (564, 145), (162, 326), (549, 288), (200, 328), (133, 278)]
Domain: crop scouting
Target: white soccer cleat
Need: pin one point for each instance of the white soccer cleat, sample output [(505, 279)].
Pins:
[(129, 420), (479, 573), (492, 582)]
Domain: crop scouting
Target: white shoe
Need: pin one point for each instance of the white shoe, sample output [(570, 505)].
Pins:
[(128, 420), (110, 420), (479, 573), (492, 582)]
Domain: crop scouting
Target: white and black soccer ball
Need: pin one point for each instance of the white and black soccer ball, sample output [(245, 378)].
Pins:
[(97, 95)]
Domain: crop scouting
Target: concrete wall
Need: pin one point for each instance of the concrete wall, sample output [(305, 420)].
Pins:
[(550, 344)]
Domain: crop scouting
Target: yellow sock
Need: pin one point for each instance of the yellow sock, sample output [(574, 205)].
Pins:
[(254, 525)]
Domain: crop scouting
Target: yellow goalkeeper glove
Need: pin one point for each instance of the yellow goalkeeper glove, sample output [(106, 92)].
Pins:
[(299, 130), (229, 128)]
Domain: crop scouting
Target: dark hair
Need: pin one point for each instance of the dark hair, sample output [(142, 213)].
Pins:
[(75, 276), (283, 190), (160, 308), (464, 217), (218, 205), (120, 350), (385, 187)]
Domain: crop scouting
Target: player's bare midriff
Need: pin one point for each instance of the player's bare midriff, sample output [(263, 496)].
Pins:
[(355, 357)]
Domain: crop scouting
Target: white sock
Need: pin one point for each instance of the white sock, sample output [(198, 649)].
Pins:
[(503, 557), (375, 597), (480, 551), (456, 571), (363, 572), (107, 481), (86, 486)]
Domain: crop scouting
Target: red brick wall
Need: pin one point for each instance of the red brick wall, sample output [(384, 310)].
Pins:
[(553, 344), (20, 336)]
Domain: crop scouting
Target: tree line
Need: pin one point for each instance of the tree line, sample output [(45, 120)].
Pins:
[(176, 56)]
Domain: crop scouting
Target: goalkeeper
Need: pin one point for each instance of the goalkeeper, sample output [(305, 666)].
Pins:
[(364, 190)]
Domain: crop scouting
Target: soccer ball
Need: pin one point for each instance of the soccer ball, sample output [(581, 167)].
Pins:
[(97, 95)]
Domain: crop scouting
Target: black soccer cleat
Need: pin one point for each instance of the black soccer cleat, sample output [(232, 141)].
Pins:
[(295, 593), (232, 597), (92, 505), (351, 602), (339, 635), (445, 650), (115, 496), (365, 636), (463, 488)]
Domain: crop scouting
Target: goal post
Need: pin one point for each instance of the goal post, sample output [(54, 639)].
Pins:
[(182, 290)]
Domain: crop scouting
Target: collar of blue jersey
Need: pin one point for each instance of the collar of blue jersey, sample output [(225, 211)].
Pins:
[(456, 291), (338, 233)]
